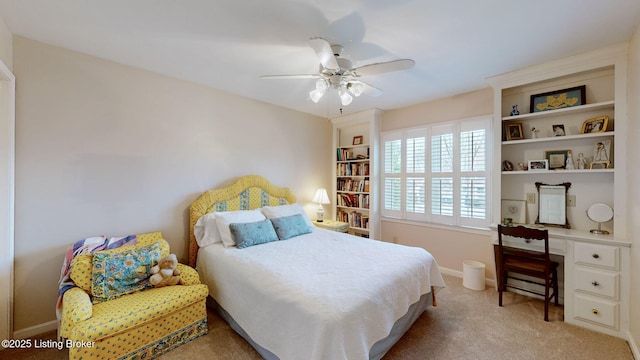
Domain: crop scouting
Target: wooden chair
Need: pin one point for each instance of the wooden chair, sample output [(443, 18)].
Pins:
[(532, 263)]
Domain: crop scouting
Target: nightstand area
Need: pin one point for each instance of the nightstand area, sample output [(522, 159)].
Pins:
[(333, 225)]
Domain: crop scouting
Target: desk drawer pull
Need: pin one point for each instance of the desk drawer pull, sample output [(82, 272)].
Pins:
[(595, 283), (595, 311), (595, 256)]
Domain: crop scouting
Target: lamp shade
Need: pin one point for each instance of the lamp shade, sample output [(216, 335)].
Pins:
[(321, 196)]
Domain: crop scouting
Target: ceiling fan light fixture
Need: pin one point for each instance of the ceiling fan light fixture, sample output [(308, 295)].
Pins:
[(345, 98), (355, 88), (321, 88)]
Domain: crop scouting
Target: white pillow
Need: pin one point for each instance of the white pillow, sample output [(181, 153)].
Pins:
[(273, 212), (206, 230), (224, 219)]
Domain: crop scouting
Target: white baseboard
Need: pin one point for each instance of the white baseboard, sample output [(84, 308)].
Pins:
[(634, 347), (35, 330)]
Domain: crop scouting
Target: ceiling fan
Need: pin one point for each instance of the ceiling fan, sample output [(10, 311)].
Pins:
[(337, 73)]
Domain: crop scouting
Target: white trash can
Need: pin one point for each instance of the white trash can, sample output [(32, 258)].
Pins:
[(473, 275)]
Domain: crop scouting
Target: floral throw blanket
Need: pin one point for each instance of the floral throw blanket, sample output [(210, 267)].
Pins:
[(85, 246)]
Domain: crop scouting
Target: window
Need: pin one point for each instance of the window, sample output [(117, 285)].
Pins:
[(438, 173)]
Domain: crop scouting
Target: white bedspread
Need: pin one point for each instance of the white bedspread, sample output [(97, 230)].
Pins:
[(324, 295)]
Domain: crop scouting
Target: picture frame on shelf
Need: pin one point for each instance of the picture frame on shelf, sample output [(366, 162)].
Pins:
[(558, 130), (557, 159), (514, 131), (515, 210), (358, 140), (599, 165), (595, 125), (558, 99), (538, 165), (602, 151)]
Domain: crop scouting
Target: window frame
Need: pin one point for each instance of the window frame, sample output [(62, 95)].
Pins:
[(456, 127)]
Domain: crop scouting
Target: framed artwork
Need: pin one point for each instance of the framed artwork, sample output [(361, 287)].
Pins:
[(595, 125), (558, 99), (515, 210), (602, 151), (557, 158), (514, 131), (538, 165), (357, 140), (558, 130)]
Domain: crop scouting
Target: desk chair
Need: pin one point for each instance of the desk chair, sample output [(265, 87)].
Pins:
[(532, 263)]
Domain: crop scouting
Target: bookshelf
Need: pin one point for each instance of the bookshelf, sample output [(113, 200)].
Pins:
[(354, 190)]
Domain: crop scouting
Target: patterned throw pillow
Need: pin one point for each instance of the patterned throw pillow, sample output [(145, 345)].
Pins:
[(253, 233), (120, 273), (290, 226)]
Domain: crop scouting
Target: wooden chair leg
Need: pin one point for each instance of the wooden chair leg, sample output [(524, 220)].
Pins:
[(546, 299), (556, 290)]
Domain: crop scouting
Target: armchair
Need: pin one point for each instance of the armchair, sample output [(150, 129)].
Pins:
[(141, 324)]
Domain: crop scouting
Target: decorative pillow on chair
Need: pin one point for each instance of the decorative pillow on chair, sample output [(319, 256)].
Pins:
[(253, 233), (290, 226), (120, 273)]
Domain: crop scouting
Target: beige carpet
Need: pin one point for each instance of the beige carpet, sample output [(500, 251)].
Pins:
[(467, 324)]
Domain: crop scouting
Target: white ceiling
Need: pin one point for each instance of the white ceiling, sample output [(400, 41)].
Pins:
[(228, 44)]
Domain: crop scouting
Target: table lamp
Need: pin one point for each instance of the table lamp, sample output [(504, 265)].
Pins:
[(321, 198)]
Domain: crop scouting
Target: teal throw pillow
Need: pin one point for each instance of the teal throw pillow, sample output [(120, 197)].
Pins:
[(290, 226), (252, 233)]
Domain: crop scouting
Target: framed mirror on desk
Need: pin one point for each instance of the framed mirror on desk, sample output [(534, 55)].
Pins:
[(552, 204)]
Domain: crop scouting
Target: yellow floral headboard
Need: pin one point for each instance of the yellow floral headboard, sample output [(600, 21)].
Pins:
[(246, 193)]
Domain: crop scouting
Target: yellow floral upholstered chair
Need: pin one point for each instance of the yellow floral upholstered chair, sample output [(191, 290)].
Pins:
[(141, 323)]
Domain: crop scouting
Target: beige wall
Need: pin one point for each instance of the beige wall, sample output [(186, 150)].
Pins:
[(6, 45), (449, 245), (633, 158), (106, 149)]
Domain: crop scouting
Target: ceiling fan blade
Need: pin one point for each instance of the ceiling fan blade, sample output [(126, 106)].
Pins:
[(293, 76), (324, 52), (384, 67), (358, 87)]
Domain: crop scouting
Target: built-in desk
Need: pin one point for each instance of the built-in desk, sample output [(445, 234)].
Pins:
[(595, 280)]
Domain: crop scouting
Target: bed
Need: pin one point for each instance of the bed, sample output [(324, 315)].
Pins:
[(311, 293)]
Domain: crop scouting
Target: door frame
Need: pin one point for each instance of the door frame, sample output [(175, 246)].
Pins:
[(7, 198)]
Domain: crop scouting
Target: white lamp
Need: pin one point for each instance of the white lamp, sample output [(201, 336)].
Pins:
[(321, 197)]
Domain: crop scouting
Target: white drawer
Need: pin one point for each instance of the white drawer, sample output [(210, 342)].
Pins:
[(599, 311), (598, 255), (597, 282)]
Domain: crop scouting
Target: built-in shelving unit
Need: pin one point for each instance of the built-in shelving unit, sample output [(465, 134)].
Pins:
[(355, 188), (596, 267)]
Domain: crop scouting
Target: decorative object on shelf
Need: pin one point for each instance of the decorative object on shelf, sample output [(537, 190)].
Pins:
[(538, 165), (557, 158), (552, 204), (581, 161), (558, 130), (507, 165), (558, 99), (357, 140), (601, 151), (514, 110), (600, 213), (522, 167), (507, 222), (516, 210), (595, 125), (321, 197), (514, 131), (569, 162), (534, 133)]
